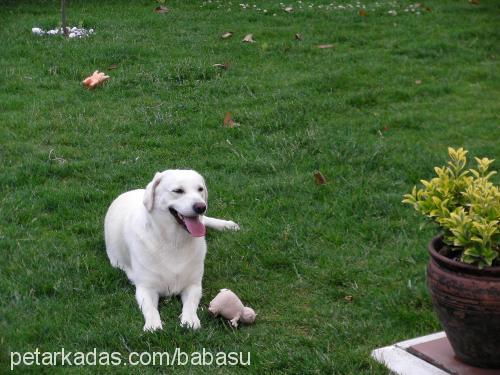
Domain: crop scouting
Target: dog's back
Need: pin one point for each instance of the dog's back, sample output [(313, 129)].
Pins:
[(118, 214)]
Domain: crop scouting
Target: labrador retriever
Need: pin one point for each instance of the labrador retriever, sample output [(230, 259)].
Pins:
[(156, 236)]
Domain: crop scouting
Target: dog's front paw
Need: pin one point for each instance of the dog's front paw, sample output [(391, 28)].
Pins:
[(152, 325), (190, 322), (231, 225)]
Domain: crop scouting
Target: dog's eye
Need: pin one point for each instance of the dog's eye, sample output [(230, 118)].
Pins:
[(178, 191), (200, 189)]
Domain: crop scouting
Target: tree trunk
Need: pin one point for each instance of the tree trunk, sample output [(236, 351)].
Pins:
[(63, 17)]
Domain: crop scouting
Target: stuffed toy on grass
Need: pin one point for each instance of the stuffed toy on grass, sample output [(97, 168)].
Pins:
[(228, 305), (96, 79)]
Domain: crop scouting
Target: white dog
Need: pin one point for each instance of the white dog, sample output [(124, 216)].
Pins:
[(156, 236)]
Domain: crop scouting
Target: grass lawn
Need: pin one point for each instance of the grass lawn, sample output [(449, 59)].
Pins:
[(333, 271)]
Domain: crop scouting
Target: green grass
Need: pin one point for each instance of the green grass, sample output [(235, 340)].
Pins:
[(354, 112)]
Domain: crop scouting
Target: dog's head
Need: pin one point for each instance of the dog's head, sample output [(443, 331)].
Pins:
[(182, 194)]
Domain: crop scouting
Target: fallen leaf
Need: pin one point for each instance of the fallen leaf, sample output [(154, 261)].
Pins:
[(248, 38), (227, 35), (475, 2), (349, 298), (53, 157), (54, 70), (224, 66), (325, 46), (228, 121), (319, 178), (386, 128), (161, 9), (298, 36), (362, 12), (112, 66), (288, 9), (418, 82)]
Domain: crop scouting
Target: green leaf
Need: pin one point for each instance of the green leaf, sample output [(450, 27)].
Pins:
[(465, 204)]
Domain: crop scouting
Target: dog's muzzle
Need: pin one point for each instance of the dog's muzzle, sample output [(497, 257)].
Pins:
[(192, 224)]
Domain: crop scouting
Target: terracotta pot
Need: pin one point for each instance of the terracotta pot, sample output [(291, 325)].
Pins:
[(467, 302)]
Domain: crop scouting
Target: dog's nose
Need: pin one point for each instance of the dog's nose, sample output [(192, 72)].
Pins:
[(199, 208)]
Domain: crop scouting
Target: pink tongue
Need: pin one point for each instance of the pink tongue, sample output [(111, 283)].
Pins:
[(195, 226)]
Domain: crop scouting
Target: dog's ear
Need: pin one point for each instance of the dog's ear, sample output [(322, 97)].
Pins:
[(149, 194), (205, 191)]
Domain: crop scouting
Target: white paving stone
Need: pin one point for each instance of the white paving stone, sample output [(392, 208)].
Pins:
[(399, 361)]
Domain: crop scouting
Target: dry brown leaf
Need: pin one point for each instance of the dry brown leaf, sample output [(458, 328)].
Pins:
[(319, 178), (418, 82), (224, 66), (228, 121), (349, 298), (298, 36), (362, 12), (248, 38), (112, 66), (475, 2), (161, 9), (227, 35), (325, 46), (288, 9)]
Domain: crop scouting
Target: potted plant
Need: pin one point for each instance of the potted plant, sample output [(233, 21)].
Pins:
[(463, 275)]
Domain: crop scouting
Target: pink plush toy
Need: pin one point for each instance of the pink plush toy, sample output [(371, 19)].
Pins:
[(228, 305), (96, 79)]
